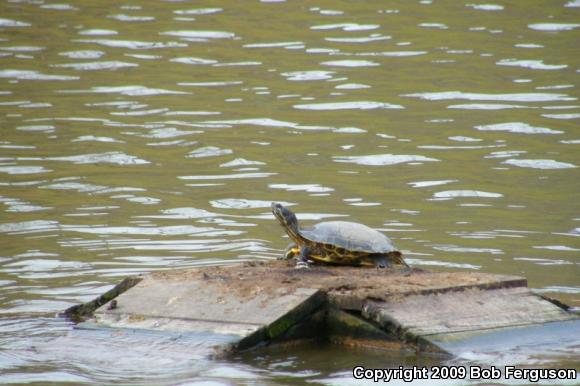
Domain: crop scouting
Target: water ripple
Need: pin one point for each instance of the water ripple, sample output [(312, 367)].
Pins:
[(268, 122), (383, 159), (242, 203), (434, 25), (211, 84), (184, 213), (360, 39), (351, 86), (553, 27), (209, 151), (528, 45), (517, 97), (488, 106), (196, 34), (127, 90), (562, 116), (113, 157), (241, 162), (167, 132), (22, 48), (33, 75), (98, 32), (531, 64), (350, 63), (358, 105), (13, 23), (93, 66), (227, 176), (194, 61), (456, 147), (346, 27), (424, 184), (454, 248), (486, 7), (395, 54), (559, 289), (309, 188), (449, 194), (20, 169), (308, 75), (131, 18), (462, 138), (518, 127), (33, 226), (563, 248), (238, 64), (172, 230), (446, 264), (505, 154), (198, 11), (539, 163), (327, 12), (17, 205), (275, 44), (132, 44), (83, 54)]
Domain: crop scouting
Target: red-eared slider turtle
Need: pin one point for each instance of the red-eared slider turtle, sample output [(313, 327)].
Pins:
[(337, 242)]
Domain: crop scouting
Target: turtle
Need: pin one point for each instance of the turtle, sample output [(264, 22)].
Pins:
[(336, 242)]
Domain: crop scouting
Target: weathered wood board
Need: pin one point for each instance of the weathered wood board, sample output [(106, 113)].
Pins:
[(258, 302), (185, 305), (457, 315), (536, 338)]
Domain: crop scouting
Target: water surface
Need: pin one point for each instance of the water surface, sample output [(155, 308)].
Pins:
[(154, 135)]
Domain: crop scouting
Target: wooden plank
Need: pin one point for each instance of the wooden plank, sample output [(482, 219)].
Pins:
[(80, 312), (258, 302), (422, 283), (471, 310), (208, 305), (538, 338)]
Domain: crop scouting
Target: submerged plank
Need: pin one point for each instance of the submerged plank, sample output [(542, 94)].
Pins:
[(537, 338), (456, 315)]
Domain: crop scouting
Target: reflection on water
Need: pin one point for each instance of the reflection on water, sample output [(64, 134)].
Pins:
[(155, 135)]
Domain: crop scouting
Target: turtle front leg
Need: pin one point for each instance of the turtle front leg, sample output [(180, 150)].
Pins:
[(292, 250), (303, 258)]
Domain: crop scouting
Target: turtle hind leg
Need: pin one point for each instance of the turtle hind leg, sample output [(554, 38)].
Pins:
[(397, 258), (386, 261), (382, 261)]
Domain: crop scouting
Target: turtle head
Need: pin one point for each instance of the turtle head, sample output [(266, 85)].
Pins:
[(286, 218)]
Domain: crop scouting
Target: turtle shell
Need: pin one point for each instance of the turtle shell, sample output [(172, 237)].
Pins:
[(350, 236)]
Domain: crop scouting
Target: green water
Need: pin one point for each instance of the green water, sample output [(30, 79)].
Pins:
[(154, 135)]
